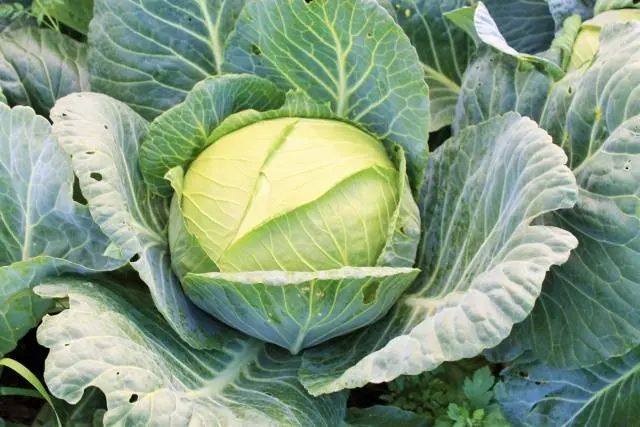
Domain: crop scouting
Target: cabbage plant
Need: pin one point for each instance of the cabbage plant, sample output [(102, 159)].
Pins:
[(263, 166)]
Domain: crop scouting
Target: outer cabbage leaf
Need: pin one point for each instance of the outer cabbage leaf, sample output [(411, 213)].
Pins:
[(38, 66), (3, 99), (444, 51), (498, 82), (43, 232), (482, 261), (113, 338), (176, 137), (103, 136), (150, 54), (480, 25), (536, 395), (299, 309), (589, 308), (347, 53), (527, 25)]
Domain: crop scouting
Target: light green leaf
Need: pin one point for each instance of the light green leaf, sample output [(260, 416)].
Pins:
[(536, 395), (444, 51), (605, 5), (43, 231), (187, 256), (103, 135), (299, 309), (3, 99), (75, 14), (404, 228), (482, 261), (588, 310), (352, 56), (297, 104), (38, 66), (177, 136), (150, 55), (151, 377)]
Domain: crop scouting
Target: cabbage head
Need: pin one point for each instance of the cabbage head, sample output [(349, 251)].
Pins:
[(294, 230), (587, 42)]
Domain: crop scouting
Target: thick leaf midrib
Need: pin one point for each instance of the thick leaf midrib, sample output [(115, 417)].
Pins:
[(214, 36), (434, 74), (342, 95), (232, 371)]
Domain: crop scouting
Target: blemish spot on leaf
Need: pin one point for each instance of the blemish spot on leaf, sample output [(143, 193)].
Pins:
[(134, 258), (255, 49)]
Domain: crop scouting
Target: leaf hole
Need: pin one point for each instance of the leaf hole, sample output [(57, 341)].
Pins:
[(134, 258), (67, 345), (627, 165), (106, 127), (523, 374), (96, 176), (133, 398), (255, 49), (370, 35), (90, 153), (369, 292), (118, 373), (78, 197)]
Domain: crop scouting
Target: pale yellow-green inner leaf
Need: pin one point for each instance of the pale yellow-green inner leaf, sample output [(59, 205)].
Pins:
[(266, 171)]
